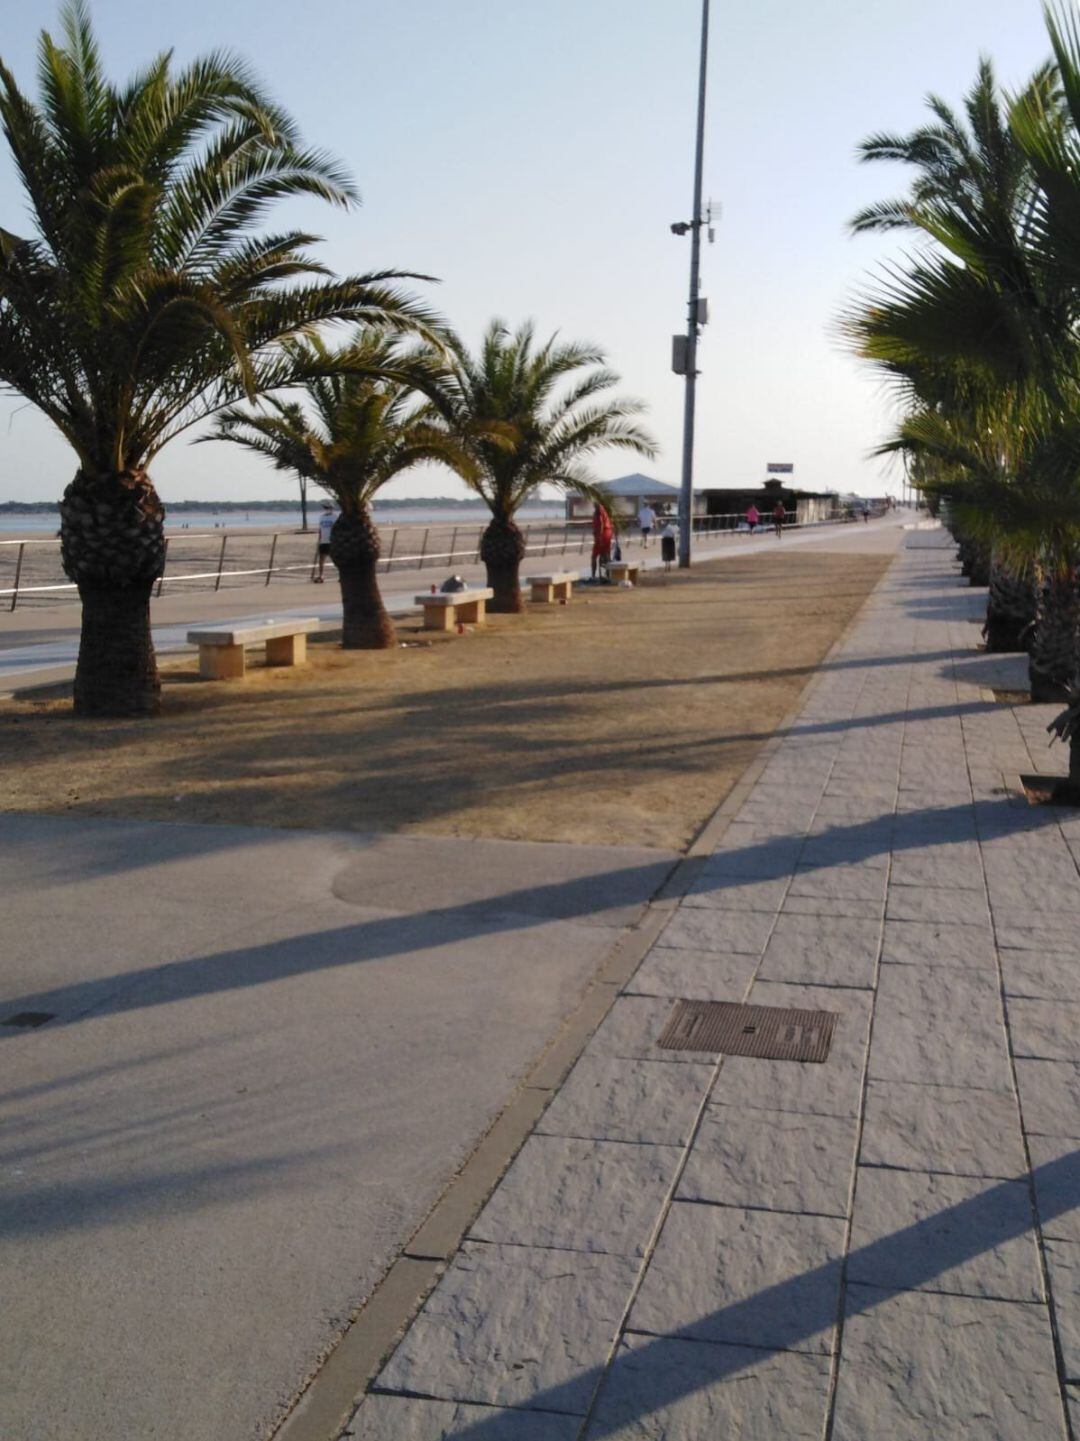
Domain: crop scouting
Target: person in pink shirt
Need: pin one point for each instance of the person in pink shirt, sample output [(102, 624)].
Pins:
[(753, 518)]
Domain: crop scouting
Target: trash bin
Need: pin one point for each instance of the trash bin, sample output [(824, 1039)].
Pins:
[(667, 549)]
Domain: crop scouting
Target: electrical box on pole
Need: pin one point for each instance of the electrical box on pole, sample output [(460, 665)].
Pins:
[(702, 311), (679, 348)]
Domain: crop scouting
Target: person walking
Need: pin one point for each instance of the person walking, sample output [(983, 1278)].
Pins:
[(646, 519), (753, 517), (779, 515), (326, 524), (603, 534)]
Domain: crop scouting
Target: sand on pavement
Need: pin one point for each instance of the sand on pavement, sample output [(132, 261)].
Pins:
[(624, 717)]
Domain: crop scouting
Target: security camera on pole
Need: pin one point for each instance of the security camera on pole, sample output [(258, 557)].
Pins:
[(684, 351)]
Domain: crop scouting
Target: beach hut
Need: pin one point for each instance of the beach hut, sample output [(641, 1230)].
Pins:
[(629, 493)]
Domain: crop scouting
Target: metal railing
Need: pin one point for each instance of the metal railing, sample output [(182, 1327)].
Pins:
[(31, 573)]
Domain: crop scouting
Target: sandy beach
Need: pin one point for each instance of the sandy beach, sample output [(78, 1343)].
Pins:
[(624, 718)]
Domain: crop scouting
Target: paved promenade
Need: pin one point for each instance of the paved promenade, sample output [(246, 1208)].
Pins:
[(882, 1247)]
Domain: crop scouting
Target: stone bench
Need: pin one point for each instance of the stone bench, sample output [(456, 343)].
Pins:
[(620, 570), (546, 589), (443, 609), (221, 648)]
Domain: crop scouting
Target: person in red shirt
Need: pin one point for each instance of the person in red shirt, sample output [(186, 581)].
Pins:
[(779, 515), (603, 533)]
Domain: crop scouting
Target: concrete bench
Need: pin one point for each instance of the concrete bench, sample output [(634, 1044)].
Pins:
[(221, 648), (445, 608), (620, 570), (549, 588)]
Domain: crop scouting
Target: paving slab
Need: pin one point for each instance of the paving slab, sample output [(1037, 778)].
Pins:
[(841, 881), (943, 905), (1055, 1170), (401, 1418), (839, 906), (937, 944), (779, 1160), (630, 1029), (712, 930), (1063, 1267), (723, 892), (515, 1326), (916, 1366), (921, 1231), (1039, 975), (833, 1088), (696, 975), (753, 1278), (823, 951), (605, 1196), (940, 1026), (696, 1391), (611, 1099), (1049, 1030), (1049, 1096), (952, 1129)]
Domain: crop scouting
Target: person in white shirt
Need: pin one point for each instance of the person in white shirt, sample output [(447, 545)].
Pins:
[(646, 519), (326, 525)]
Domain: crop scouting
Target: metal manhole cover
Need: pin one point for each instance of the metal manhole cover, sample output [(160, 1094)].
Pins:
[(774, 1033), (29, 1019)]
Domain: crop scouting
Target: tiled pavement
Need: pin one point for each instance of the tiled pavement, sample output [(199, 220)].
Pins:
[(883, 1247)]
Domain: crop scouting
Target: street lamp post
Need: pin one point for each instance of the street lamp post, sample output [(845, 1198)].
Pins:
[(694, 308)]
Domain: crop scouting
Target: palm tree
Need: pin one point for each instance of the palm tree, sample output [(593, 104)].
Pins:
[(147, 300), (366, 430), (504, 407), (974, 193)]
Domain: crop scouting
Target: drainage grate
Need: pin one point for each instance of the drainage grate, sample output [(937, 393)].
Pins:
[(30, 1019), (774, 1033)]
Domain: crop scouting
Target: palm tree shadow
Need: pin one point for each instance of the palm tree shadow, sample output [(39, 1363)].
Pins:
[(651, 1373)]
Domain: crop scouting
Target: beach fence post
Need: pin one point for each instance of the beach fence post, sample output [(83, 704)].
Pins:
[(528, 528), (18, 573), (423, 549), (164, 563), (479, 543), (221, 561), (390, 552), (453, 543), (270, 562)]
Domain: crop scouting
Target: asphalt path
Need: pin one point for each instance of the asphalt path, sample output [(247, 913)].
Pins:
[(268, 1053)]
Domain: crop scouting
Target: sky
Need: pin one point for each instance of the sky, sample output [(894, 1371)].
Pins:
[(533, 156)]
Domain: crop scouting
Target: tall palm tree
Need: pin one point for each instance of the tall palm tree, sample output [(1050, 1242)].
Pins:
[(364, 430), (505, 407), (974, 192), (147, 300)]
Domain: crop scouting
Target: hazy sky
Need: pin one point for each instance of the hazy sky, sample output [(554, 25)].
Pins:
[(532, 155)]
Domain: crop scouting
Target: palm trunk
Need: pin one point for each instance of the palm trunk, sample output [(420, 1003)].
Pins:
[(1054, 641), (502, 549), (355, 549), (1010, 610), (112, 545), (117, 671)]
